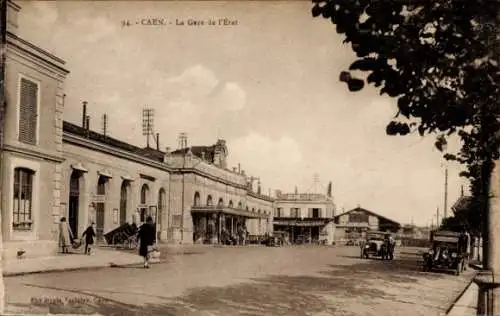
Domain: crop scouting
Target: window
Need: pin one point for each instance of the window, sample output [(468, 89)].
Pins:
[(295, 212), (196, 199), (28, 111), (144, 194), (278, 212), (358, 217), (22, 201)]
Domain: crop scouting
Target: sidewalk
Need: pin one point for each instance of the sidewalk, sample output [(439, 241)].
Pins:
[(100, 258), (466, 305)]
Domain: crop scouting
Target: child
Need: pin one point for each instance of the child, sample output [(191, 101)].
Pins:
[(89, 234)]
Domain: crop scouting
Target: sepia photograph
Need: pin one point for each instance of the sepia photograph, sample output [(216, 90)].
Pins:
[(309, 158)]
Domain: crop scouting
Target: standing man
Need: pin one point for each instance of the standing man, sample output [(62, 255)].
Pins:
[(146, 238)]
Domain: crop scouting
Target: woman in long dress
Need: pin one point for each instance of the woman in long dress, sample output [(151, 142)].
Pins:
[(146, 238), (65, 235)]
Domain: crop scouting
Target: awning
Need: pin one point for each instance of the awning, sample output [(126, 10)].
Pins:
[(299, 222), (105, 173), (127, 178), (226, 210), (79, 167)]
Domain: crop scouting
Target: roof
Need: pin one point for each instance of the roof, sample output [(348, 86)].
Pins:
[(462, 203), (197, 151), (360, 209), (112, 142)]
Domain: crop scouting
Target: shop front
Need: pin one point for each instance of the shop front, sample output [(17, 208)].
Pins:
[(303, 231)]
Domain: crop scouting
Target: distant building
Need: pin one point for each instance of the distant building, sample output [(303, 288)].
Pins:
[(355, 223), (306, 217)]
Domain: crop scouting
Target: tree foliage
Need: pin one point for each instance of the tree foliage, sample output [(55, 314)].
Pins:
[(437, 58)]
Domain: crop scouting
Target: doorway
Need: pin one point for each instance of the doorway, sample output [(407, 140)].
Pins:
[(100, 208), (74, 202)]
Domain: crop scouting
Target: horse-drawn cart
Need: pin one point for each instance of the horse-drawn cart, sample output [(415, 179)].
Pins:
[(124, 236)]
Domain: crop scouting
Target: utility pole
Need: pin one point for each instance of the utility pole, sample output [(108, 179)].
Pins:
[(3, 104), (437, 218)]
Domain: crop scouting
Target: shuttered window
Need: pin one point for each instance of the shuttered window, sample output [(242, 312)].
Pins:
[(28, 111)]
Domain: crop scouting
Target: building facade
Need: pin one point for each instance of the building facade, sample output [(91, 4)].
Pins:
[(305, 217), (111, 183), (208, 199), (32, 153), (354, 224)]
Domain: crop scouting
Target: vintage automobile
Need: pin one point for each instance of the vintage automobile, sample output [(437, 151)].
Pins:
[(446, 253), (375, 246)]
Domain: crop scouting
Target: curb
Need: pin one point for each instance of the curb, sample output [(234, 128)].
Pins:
[(455, 301)]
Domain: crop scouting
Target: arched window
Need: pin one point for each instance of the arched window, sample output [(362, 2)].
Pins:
[(101, 185), (123, 201), (253, 209), (221, 202), (209, 200), (144, 202), (240, 205), (230, 204), (23, 198), (144, 194), (247, 207), (197, 198)]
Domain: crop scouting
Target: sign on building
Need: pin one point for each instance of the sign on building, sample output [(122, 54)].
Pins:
[(99, 198)]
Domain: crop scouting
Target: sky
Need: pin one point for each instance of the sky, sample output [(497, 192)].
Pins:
[(267, 84)]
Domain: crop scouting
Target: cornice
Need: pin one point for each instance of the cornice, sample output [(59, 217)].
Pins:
[(34, 153), (86, 143), (38, 54)]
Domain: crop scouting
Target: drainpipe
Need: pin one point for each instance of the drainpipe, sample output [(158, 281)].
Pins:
[(3, 105)]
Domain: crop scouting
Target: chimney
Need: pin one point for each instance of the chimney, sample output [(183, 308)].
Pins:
[(234, 169), (239, 168), (12, 13), (167, 154), (158, 141), (87, 122), (84, 115)]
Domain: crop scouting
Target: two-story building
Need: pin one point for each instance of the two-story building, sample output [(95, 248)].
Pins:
[(305, 217), (354, 224), (31, 159)]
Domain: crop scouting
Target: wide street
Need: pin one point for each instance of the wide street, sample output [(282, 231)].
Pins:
[(299, 280)]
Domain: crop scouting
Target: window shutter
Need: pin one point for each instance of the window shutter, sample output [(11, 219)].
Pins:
[(28, 111), (310, 212)]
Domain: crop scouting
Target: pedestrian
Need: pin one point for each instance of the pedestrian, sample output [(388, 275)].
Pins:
[(146, 238), (65, 235), (89, 235)]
